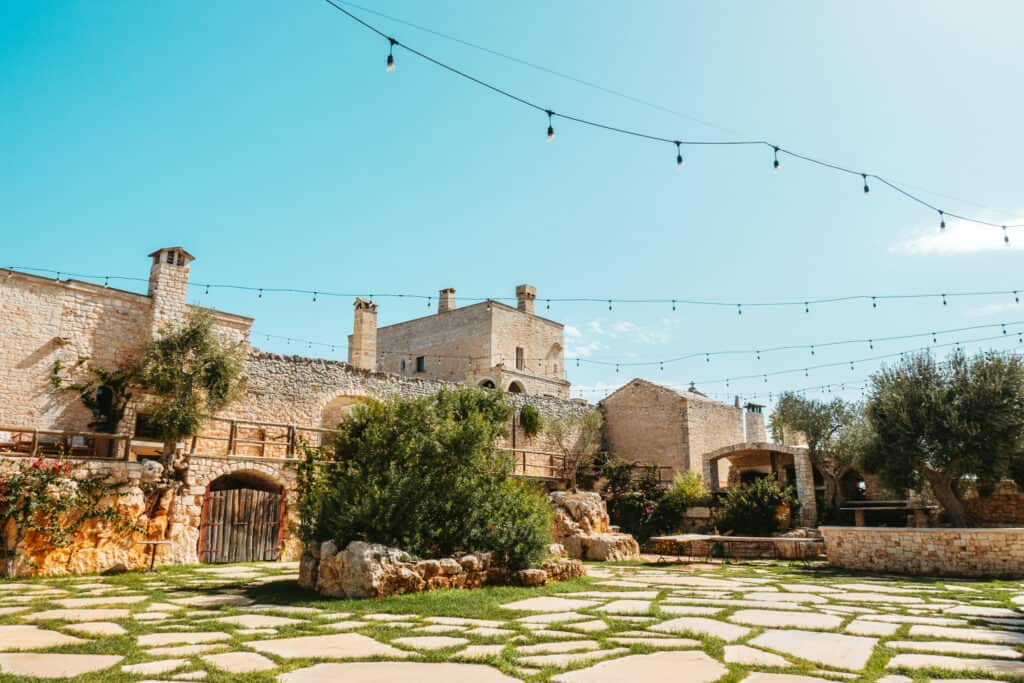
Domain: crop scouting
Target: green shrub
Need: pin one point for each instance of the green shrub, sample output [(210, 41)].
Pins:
[(530, 420), (422, 475), (751, 510), (688, 490), (639, 503)]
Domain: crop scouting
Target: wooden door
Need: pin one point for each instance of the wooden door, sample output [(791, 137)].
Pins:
[(240, 525)]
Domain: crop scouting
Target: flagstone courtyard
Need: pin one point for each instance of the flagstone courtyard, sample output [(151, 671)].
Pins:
[(755, 622)]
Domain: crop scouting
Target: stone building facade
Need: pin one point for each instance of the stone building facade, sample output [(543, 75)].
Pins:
[(487, 344), (287, 399)]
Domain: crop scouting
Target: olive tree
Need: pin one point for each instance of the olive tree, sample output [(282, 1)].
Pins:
[(578, 439), (936, 422), (187, 374), (836, 435)]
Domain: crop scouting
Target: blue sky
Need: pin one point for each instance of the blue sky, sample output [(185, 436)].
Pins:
[(268, 139)]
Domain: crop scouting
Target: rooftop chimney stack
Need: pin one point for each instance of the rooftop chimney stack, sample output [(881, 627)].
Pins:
[(446, 300), (525, 294), (362, 343), (754, 419), (168, 287)]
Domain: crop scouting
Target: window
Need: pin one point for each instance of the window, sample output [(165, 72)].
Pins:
[(421, 363), (403, 365), (104, 403), (144, 427), (520, 358)]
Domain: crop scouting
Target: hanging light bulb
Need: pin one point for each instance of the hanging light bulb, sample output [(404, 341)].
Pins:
[(1006, 235), (871, 344), (807, 307), (944, 302), (866, 188), (775, 164), (609, 304), (314, 297), (206, 292), (942, 221), (1016, 297), (106, 283), (391, 54), (812, 349), (766, 379), (874, 302), (551, 128), (673, 304), (260, 295), (679, 154)]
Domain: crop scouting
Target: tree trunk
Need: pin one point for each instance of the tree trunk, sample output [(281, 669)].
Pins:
[(831, 491), (941, 484)]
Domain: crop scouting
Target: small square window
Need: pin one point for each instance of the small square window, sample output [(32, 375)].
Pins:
[(421, 363)]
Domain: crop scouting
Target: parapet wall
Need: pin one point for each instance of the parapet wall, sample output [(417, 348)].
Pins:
[(927, 552)]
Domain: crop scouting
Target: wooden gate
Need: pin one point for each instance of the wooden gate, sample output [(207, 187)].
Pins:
[(240, 525)]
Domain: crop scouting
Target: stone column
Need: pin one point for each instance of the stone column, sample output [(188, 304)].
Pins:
[(805, 488)]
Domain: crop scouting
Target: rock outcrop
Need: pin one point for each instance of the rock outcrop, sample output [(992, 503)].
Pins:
[(583, 528), (371, 570)]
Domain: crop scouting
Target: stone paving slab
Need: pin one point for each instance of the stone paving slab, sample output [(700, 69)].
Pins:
[(627, 607), (240, 662), (558, 647), (753, 617), (830, 649), (656, 642), (430, 642), (31, 665), (743, 654), (701, 626), (174, 638), (161, 666), (991, 666), (955, 647), (570, 658), (660, 667), (860, 627), (969, 634), (396, 672), (97, 628), (338, 646), (759, 677), (78, 615), (257, 621), (24, 637)]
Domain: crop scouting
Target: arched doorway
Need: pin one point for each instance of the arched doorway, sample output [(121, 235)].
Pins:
[(515, 388), (336, 410), (486, 384), (241, 519)]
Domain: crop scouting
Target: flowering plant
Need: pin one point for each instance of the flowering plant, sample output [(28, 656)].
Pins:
[(45, 497)]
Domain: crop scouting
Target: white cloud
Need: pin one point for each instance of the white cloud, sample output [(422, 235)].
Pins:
[(623, 326), (572, 332), (595, 327), (995, 309), (959, 237)]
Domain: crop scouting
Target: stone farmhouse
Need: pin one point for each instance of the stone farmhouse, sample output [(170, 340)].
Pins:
[(243, 462), (687, 431), (288, 400)]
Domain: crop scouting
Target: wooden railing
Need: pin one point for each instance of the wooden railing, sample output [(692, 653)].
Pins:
[(29, 441), (229, 437), (536, 464)]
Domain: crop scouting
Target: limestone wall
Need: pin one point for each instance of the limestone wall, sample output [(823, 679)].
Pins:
[(1005, 507), (644, 422), (927, 552), (710, 425)]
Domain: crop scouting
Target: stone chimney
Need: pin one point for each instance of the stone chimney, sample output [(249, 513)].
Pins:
[(754, 419), (362, 343), (525, 294), (168, 287), (446, 300)]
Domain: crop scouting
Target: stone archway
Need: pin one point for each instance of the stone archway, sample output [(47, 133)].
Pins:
[(516, 388), (335, 410), (802, 466), (243, 518)]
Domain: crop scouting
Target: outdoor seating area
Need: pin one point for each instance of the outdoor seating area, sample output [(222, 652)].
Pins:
[(54, 442)]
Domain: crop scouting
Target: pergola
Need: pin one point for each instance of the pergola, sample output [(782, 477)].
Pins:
[(769, 453)]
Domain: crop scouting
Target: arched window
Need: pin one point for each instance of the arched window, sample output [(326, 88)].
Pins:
[(515, 388), (486, 384), (105, 408)]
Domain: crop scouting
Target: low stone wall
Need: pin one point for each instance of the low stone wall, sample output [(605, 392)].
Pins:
[(927, 552), (370, 570), (1005, 507)]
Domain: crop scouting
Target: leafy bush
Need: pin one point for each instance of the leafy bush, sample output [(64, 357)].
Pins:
[(641, 505), (751, 510), (422, 475), (688, 490), (530, 420)]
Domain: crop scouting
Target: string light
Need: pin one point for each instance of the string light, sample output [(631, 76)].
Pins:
[(739, 309), (942, 220), (1006, 236), (207, 292), (944, 302), (874, 302), (866, 188), (805, 302), (260, 295), (551, 128), (106, 283), (679, 154), (314, 297), (775, 164), (391, 54)]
